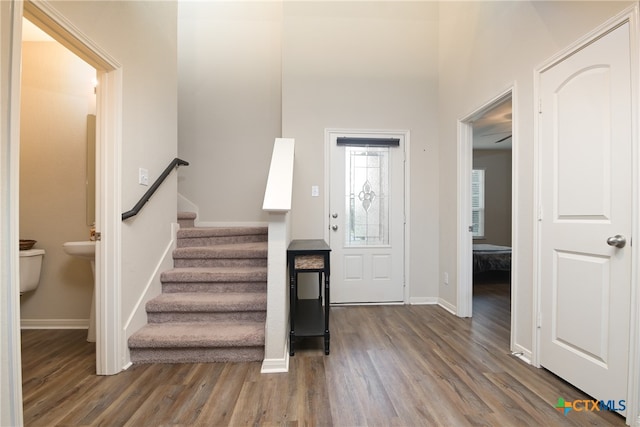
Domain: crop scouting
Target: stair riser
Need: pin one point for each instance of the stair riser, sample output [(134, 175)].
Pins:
[(197, 355), (186, 219), (186, 223), (214, 287), (184, 242), (219, 262), (235, 316)]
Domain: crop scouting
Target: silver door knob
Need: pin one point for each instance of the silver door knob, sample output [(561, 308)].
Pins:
[(618, 241), (334, 227)]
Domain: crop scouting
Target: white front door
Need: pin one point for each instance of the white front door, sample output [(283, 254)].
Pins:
[(366, 217), (586, 195)]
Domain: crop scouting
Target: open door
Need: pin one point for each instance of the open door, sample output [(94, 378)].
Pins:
[(585, 170)]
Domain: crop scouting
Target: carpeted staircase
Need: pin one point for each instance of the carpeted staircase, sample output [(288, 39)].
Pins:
[(213, 302)]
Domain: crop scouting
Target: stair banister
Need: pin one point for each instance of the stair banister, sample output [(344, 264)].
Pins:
[(146, 196), (277, 202)]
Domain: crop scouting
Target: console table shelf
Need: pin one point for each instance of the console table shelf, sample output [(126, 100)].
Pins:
[(308, 317)]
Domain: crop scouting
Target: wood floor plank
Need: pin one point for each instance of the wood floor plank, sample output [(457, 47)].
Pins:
[(389, 366), (116, 400), (312, 391), (199, 384), (220, 407)]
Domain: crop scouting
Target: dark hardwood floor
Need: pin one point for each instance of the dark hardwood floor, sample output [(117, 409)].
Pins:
[(389, 366)]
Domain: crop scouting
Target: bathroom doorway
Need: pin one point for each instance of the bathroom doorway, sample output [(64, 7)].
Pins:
[(57, 177), (109, 346)]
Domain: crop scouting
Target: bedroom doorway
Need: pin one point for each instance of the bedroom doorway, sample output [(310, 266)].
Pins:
[(491, 189), (485, 213)]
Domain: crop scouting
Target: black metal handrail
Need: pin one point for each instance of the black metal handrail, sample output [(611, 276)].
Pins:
[(145, 198)]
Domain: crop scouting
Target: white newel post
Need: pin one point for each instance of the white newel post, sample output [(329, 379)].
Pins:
[(277, 201)]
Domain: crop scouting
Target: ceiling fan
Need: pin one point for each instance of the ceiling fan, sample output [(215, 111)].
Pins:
[(502, 139)]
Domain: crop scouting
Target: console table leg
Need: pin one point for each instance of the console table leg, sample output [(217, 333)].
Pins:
[(292, 340), (327, 338)]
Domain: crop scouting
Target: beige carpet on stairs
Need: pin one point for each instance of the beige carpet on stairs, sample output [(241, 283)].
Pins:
[(213, 302)]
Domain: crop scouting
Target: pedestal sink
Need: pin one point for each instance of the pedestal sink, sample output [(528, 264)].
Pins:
[(86, 250)]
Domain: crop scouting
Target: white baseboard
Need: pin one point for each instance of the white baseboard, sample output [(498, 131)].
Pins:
[(423, 301), (522, 354), (137, 318), (447, 306), (275, 366), (54, 323)]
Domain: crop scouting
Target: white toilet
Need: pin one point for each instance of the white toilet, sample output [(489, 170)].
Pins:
[(30, 267)]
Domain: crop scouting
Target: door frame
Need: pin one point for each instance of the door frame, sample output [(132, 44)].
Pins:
[(630, 16), (464, 303), (109, 342), (328, 133)]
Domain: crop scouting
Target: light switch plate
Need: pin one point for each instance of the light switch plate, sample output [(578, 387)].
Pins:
[(143, 176), (315, 191)]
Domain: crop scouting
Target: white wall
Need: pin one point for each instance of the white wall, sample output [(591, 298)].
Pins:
[(229, 105), (57, 94), (253, 71), (364, 65), (497, 195), (486, 47)]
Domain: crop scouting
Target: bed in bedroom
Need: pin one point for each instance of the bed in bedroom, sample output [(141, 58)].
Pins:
[(491, 258)]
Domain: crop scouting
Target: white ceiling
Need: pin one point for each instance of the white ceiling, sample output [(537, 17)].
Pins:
[(493, 130)]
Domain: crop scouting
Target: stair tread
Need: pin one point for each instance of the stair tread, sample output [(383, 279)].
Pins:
[(186, 215), (226, 250), (198, 334), (190, 232), (211, 274), (199, 302)]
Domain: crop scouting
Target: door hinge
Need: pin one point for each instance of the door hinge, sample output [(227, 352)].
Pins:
[(539, 321), (98, 236), (539, 105)]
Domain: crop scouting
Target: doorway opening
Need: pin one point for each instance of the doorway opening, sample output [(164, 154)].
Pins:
[(108, 142), (485, 217), (57, 171), (491, 189)]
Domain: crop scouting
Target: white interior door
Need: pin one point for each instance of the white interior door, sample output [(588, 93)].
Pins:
[(586, 195), (366, 218)]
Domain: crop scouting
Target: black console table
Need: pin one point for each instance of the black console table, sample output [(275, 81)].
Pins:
[(308, 317)]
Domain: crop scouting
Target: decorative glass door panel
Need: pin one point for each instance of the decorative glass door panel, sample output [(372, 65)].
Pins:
[(367, 201)]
